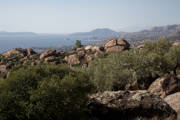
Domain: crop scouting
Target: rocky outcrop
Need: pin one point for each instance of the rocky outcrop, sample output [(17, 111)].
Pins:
[(3, 72), (81, 53), (176, 44), (30, 52), (48, 53), (140, 46), (19, 52), (165, 85), (50, 59), (116, 45), (129, 105), (92, 48), (174, 101), (83, 56), (13, 52), (3, 69), (72, 59)]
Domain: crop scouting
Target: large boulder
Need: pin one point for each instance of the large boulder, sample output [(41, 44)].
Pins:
[(19, 52), (92, 48), (50, 59), (165, 85), (13, 52), (47, 53), (3, 68), (81, 53), (116, 45), (176, 44), (174, 101), (89, 57), (129, 105), (72, 59)]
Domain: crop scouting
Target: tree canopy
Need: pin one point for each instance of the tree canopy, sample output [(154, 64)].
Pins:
[(44, 93)]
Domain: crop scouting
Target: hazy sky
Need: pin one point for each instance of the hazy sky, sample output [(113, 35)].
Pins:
[(67, 16)]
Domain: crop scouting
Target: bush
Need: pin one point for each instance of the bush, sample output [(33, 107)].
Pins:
[(44, 93), (141, 65), (160, 47), (173, 59)]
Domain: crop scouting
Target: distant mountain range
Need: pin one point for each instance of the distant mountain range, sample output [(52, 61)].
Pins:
[(99, 36), (153, 34)]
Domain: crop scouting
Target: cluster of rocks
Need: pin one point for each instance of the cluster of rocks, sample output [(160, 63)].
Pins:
[(129, 105), (161, 101), (81, 56), (19, 51), (51, 56), (84, 55), (16, 58)]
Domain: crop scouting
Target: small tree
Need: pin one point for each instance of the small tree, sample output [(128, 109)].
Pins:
[(78, 44)]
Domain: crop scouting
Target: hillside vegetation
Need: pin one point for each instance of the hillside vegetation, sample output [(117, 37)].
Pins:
[(53, 91)]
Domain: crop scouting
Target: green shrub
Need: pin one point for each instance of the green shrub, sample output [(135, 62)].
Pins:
[(141, 65), (44, 93), (173, 59), (160, 47)]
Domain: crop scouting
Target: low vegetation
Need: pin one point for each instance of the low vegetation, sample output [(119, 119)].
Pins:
[(56, 92), (44, 93), (115, 71)]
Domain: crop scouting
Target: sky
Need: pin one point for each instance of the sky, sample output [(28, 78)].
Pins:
[(68, 16)]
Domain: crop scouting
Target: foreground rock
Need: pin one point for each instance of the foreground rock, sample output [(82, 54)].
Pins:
[(129, 105), (174, 101), (166, 85), (116, 45)]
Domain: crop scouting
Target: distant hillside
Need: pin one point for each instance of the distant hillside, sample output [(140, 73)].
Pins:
[(174, 36), (155, 31), (152, 34), (105, 32), (17, 33), (100, 36)]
